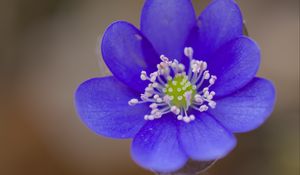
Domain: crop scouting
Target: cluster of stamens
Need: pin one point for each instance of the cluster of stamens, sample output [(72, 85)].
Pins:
[(172, 89)]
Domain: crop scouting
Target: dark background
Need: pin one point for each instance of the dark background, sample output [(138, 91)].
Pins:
[(48, 47)]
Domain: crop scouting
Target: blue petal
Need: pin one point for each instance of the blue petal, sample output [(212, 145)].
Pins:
[(248, 108), (102, 104), (219, 23), (235, 64), (205, 139), (156, 146), (167, 23), (127, 52)]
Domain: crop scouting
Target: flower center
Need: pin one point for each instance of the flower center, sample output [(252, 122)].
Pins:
[(177, 89), (172, 89)]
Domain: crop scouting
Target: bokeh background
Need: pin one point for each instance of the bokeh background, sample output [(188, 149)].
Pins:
[(48, 47)]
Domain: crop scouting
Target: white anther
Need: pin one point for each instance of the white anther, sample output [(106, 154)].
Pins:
[(165, 59), (148, 94), (174, 83), (159, 67), (179, 98), (212, 104), (156, 96), (178, 89), (153, 76), (157, 115), (133, 102), (198, 98), (153, 106), (174, 64), (144, 97), (179, 117), (203, 108), (205, 89), (209, 97), (181, 67), (188, 52), (212, 79), (143, 75), (203, 65), (159, 100), (206, 94), (150, 117), (212, 93), (149, 89), (186, 119), (175, 110), (146, 117), (206, 75), (154, 111), (196, 66), (155, 84), (170, 89), (192, 117)]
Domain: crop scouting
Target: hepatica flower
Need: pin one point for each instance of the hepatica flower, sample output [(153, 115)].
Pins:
[(181, 85)]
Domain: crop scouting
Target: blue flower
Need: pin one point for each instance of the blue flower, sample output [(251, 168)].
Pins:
[(181, 85)]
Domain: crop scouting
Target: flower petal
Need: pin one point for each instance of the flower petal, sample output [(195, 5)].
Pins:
[(205, 139), (219, 23), (102, 104), (235, 64), (156, 146), (167, 23), (127, 52), (248, 108)]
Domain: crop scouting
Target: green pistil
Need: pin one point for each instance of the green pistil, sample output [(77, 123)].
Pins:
[(176, 89)]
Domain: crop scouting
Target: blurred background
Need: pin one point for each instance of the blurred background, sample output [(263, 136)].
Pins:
[(48, 47)]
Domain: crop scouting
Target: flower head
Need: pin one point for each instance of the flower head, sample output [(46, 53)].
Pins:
[(181, 85)]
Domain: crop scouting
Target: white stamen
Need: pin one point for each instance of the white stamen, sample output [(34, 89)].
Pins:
[(133, 102), (192, 117), (179, 117), (206, 75), (188, 52), (186, 119), (203, 108), (159, 100), (212, 79), (198, 98), (175, 110), (164, 87), (156, 97), (143, 76), (212, 104), (153, 105), (150, 117)]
